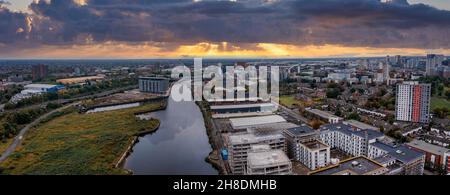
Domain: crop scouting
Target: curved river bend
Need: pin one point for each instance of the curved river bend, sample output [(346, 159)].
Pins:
[(179, 147)]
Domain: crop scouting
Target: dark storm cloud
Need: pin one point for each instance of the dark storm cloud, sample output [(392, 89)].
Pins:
[(4, 3), (12, 25), (299, 22)]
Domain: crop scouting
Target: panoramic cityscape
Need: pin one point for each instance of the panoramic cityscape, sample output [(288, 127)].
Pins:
[(243, 87)]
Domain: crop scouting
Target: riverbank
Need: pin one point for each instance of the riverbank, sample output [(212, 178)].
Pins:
[(214, 156), (179, 147), (81, 144), (120, 163)]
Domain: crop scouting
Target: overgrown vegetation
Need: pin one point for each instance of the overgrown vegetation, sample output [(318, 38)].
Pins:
[(334, 90), (11, 122), (74, 143)]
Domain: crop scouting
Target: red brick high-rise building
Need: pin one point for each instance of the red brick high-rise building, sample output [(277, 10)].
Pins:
[(39, 71)]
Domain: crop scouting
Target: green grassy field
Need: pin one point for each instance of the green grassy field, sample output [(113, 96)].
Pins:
[(437, 102), (288, 101), (79, 144)]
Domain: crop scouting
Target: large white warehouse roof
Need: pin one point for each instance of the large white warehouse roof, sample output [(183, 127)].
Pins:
[(239, 123)]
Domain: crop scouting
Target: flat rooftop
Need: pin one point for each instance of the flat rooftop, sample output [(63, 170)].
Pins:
[(424, 146), (153, 78), (238, 123), (236, 106), (250, 138), (267, 158), (353, 166), (42, 86), (322, 114), (360, 125), (300, 130), (349, 130), (271, 127), (242, 114), (79, 79), (260, 147), (400, 152), (315, 145)]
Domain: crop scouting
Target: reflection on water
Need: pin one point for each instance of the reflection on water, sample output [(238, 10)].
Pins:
[(180, 145)]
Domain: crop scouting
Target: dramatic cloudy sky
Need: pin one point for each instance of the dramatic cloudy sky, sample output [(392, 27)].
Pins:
[(222, 28)]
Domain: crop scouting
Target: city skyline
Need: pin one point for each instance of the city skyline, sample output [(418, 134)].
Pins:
[(246, 29)]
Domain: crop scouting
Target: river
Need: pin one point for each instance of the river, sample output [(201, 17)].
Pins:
[(179, 147)]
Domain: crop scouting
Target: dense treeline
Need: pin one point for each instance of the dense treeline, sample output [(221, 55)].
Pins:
[(334, 90), (11, 122), (6, 95)]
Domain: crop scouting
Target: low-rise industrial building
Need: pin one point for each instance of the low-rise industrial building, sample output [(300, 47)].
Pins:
[(247, 122), (237, 110), (35, 89), (41, 88), (262, 160)]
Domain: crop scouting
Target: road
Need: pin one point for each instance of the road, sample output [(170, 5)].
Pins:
[(19, 137)]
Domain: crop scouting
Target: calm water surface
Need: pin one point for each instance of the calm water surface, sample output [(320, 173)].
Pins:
[(179, 147)]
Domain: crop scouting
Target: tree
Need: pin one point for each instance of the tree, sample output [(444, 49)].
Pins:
[(441, 112), (315, 124), (9, 129), (391, 118), (361, 91), (440, 90), (22, 117), (338, 112), (52, 106), (333, 93)]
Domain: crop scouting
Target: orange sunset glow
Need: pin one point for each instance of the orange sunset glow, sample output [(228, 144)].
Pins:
[(215, 50)]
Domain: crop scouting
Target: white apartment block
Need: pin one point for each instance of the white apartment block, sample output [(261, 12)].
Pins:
[(399, 159), (348, 139), (314, 154), (304, 147)]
